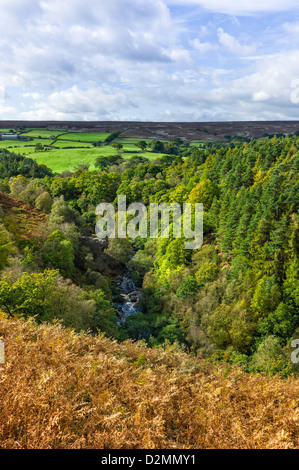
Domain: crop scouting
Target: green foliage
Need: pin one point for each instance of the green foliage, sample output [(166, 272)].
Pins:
[(6, 246), (240, 289), (104, 317), (281, 322), (204, 193), (170, 333), (58, 253), (270, 358), (104, 162), (141, 144), (120, 249), (188, 287), (44, 202), (208, 272), (61, 214), (112, 137), (46, 296), (266, 296), (12, 164)]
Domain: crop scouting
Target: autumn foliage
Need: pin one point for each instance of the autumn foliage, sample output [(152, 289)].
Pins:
[(61, 389)]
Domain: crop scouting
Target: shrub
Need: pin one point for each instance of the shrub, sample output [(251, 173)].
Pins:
[(44, 202), (187, 288)]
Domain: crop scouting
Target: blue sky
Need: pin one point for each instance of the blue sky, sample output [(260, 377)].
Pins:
[(149, 60)]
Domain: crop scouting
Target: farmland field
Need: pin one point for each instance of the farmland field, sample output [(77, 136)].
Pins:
[(22, 147), (74, 144), (66, 159), (43, 133), (71, 148), (84, 136)]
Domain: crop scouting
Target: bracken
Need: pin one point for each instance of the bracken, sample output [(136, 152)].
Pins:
[(60, 389)]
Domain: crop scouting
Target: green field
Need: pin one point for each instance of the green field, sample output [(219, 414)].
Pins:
[(196, 143), (85, 136), (22, 147), (66, 159), (43, 133), (66, 143), (60, 157)]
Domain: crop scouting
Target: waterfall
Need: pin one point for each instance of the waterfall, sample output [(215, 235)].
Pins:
[(130, 295)]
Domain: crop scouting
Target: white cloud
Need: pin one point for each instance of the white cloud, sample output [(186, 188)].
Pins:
[(263, 94), (233, 45), (91, 103), (260, 96), (203, 47), (292, 28), (238, 7), (48, 42), (143, 60)]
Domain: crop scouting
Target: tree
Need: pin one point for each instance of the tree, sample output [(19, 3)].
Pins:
[(270, 357), (103, 162), (39, 147), (47, 296), (44, 202), (118, 147), (157, 146), (60, 213), (204, 193), (58, 253), (141, 144), (112, 137), (187, 288), (6, 246), (120, 249)]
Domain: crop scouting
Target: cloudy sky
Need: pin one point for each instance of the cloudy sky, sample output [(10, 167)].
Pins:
[(149, 60)]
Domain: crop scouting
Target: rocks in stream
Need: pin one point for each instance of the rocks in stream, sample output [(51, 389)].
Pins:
[(130, 294), (108, 266)]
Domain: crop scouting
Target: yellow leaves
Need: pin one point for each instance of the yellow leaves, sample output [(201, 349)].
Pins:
[(242, 303), (20, 339), (220, 391), (141, 360), (258, 176), (112, 417), (45, 377), (51, 391), (141, 379), (283, 434)]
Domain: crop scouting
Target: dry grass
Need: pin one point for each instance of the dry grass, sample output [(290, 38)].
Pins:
[(65, 390), (22, 220)]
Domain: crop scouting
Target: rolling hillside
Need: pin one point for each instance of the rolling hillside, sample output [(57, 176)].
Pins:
[(22, 220), (65, 390)]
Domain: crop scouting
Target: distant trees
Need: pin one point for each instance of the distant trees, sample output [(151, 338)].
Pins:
[(39, 147), (141, 144), (114, 135), (118, 147), (13, 165), (103, 162), (157, 146)]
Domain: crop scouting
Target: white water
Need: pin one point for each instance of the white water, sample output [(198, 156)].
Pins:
[(130, 294)]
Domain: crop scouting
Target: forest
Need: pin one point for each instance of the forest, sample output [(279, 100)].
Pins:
[(235, 300)]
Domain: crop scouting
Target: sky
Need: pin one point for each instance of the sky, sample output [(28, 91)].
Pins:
[(149, 60)]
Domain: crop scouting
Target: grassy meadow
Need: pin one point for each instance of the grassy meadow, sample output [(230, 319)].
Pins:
[(64, 151)]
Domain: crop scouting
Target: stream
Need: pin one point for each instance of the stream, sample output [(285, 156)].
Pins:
[(130, 294), (124, 282)]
